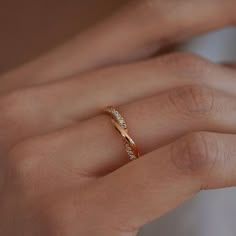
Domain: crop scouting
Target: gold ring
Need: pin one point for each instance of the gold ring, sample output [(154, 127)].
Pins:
[(120, 125)]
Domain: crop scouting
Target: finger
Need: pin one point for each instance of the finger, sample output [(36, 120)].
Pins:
[(137, 31), (42, 109), (160, 181), (93, 148)]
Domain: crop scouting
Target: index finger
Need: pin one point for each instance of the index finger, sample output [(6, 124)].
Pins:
[(137, 31)]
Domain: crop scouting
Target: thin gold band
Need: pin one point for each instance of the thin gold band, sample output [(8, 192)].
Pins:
[(121, 126)]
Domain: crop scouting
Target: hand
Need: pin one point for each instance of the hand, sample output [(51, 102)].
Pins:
[(65, 171)]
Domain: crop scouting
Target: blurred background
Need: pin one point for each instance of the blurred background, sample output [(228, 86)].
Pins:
[(30, 28)]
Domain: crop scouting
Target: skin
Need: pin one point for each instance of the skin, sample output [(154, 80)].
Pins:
[(63, 168)]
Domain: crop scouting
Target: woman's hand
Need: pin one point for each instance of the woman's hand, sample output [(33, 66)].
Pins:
[(63, 169)]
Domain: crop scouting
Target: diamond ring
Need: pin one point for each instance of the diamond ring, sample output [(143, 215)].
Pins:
[(120, 125)]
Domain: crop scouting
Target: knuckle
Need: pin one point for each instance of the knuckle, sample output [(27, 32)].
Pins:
[(196, 152), (190, 60), (188, 66), (193, 99), (181, 58)]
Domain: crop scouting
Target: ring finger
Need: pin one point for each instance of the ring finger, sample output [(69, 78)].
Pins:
[(92, 148)]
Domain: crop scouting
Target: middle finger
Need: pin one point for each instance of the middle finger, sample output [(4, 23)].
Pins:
[(92, 148)]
